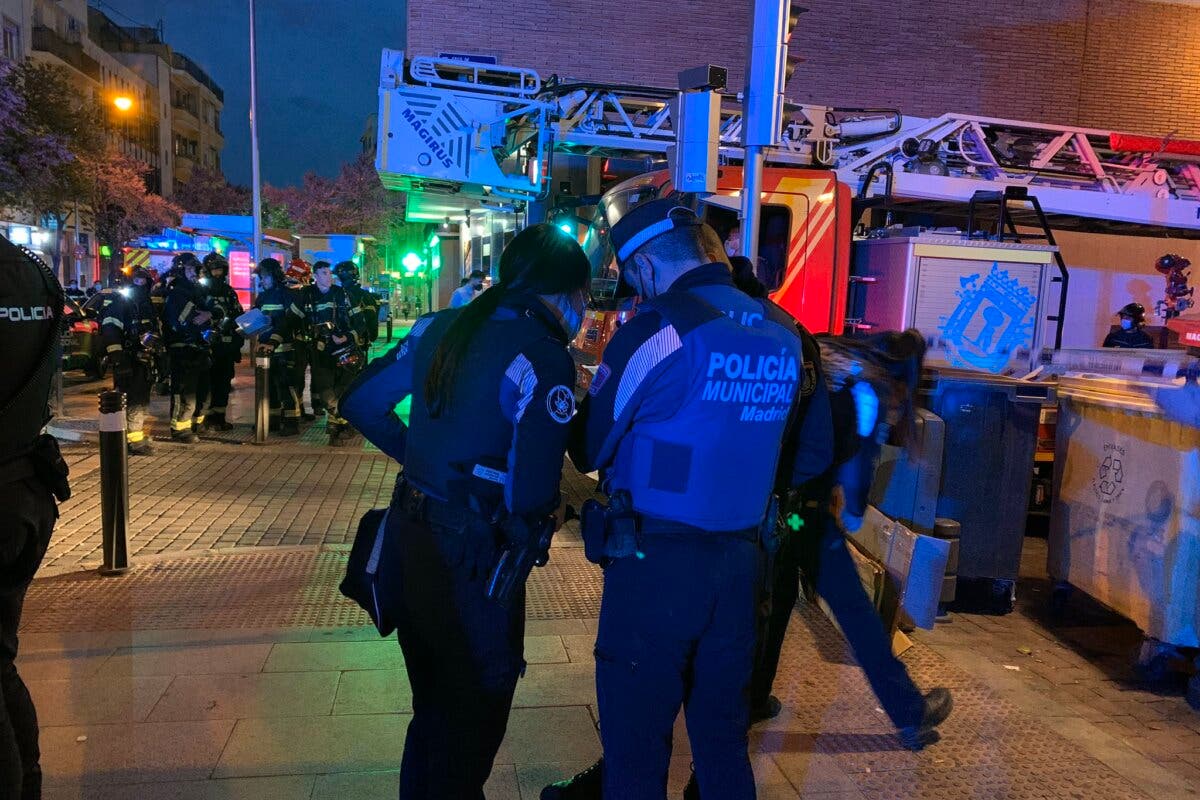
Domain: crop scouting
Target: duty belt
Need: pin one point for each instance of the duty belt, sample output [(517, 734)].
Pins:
[(657, 525), (418, 505)]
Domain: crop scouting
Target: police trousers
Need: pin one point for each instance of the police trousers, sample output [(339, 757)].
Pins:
[(677, 628), (189, 383), (27, 516), (463, 653), (821, 552), (135, 384)]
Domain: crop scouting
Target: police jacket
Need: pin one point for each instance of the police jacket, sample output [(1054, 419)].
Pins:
[(331, 308), (31, 320), (1135, 338), (502, 438), (183, 304), (689, 408), (282, 306), (219, 299), (124, 320)]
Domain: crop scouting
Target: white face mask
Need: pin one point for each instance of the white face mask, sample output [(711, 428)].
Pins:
[(1126, 323)]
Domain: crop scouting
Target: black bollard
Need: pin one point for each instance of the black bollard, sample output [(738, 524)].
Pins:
[(262, 395), (114, 483)]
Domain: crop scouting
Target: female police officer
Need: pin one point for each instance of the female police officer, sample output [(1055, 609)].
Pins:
[(492, 393)]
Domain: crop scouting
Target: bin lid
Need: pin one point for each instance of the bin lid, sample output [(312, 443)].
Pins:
[(1119, 393), (934, 380)]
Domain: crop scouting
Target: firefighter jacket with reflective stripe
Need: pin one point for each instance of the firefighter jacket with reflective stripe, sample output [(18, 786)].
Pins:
[(124, 320), (364, 310), (331, 308), (689, 408), (502, 436), (180, 328), (219, 299), (282, 306)]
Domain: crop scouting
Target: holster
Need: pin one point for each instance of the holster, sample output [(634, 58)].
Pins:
[(609, 532), (43, 461)]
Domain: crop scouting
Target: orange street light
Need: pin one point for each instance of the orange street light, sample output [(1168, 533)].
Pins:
[(123, 103)]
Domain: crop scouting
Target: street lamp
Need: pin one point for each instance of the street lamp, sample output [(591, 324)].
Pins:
[(123, 102)]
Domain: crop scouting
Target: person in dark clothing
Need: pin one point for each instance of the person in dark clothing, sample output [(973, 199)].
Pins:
[(32, 475), (492, 394), (1132, 318), (337, 333), (219, 299), (188, 332), (282, 307), (364, 305), (132, 337)]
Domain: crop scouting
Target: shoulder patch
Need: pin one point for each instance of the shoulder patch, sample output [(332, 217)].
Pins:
[(600, 378), (560, 404), (808, 384)]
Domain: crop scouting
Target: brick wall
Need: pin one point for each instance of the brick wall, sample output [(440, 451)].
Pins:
[(1108, 63)]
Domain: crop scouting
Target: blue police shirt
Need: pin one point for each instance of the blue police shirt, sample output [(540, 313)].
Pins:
[(689, 408), (503, 435)]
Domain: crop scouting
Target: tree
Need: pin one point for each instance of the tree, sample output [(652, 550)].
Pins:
[(54, 108), (122, 205), (207, 192), (353, 202), (28, 155)]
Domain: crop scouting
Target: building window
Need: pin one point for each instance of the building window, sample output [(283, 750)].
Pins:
[(12, 40)]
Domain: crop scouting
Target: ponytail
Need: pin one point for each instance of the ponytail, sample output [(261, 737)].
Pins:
[(443, 370)]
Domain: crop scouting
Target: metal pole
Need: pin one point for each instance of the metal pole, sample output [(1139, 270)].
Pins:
[(114, 483), (254, 166), (752, 181), (262, 397)]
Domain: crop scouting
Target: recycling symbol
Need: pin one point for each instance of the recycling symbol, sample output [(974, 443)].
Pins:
[(1110, 478)]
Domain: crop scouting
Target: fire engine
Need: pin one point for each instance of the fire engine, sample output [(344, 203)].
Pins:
[(971, 201)]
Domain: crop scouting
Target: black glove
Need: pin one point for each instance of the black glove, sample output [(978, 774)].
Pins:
[(479, 548)]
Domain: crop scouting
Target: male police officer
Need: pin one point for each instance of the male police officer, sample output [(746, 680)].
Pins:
[(188, 333), (219, 299), (131, 334), (278, 303), (334, 364), (685, 418), (32, 474)]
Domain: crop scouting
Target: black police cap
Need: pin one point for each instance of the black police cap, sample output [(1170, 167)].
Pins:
[(649, 221)]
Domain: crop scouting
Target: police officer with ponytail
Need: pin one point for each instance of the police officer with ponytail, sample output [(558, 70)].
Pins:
[(492, 396), (32, 475)]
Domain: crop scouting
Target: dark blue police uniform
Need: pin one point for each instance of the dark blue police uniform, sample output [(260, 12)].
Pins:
[(687, 414), (498, 445)]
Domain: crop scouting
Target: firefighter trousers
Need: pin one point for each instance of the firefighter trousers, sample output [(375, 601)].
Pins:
[(284, 399), (136, 386), (189, 385), (27, 516), (220, 382), (329, 382)]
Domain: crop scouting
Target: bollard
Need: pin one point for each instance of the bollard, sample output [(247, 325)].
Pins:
[(951, 531), (114, 483), (262, 395), (389, 328)]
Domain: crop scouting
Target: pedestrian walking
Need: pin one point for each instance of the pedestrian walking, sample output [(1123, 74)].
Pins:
[(492, 395)]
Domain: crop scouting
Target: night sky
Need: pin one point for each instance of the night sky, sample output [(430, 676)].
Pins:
[(318, 73)]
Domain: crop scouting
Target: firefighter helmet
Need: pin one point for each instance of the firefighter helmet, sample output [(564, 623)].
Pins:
[(182, 261), (213, 261), (299, 273), (1135, 312), (347, 273)]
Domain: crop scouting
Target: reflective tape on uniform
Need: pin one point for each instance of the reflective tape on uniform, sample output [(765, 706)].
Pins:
[(649, 355), (112, 422), (269, 307), (113, 321), (262, 363), (187, 311), (114, 348)]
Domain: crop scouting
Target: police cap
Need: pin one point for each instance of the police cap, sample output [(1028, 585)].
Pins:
[(649, 221)]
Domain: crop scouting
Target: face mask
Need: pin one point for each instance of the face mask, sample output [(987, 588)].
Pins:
[(1126, 324), (572, 320)]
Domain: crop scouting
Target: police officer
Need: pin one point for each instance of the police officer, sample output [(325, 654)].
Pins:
[(32, 475), (132, 340), (281, 305), (219, 299), (491, 388), (678, 615), (336, 334), (364, 305), (188, 333), (1132, 318)]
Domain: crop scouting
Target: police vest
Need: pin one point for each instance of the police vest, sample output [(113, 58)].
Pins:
[(704, 447), (32, 320)]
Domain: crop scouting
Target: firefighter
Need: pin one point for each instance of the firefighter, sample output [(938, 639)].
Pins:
[(32, 475), (132, 339), (491, 388), (336, 337), (364, 305), (681, 536), (187, 331), (298, 277), (1132, 318), (281, 305), (219, 298), (158, 298)]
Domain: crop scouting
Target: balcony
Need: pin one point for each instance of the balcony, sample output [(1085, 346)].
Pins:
[(181, 62), (47, 40)]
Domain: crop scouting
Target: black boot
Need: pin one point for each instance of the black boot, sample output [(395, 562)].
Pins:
[(587, 785), (141, 448), (290, 427), (767, 709), (938, 705), (184, 437), (217, 422)]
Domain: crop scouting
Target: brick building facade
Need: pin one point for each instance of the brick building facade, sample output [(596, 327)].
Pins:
[(1126, 64)]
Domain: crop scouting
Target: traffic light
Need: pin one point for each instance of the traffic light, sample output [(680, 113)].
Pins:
[(411, 262), (768, 69)]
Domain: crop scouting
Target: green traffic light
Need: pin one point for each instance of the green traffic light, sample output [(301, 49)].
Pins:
[(411, 262)]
